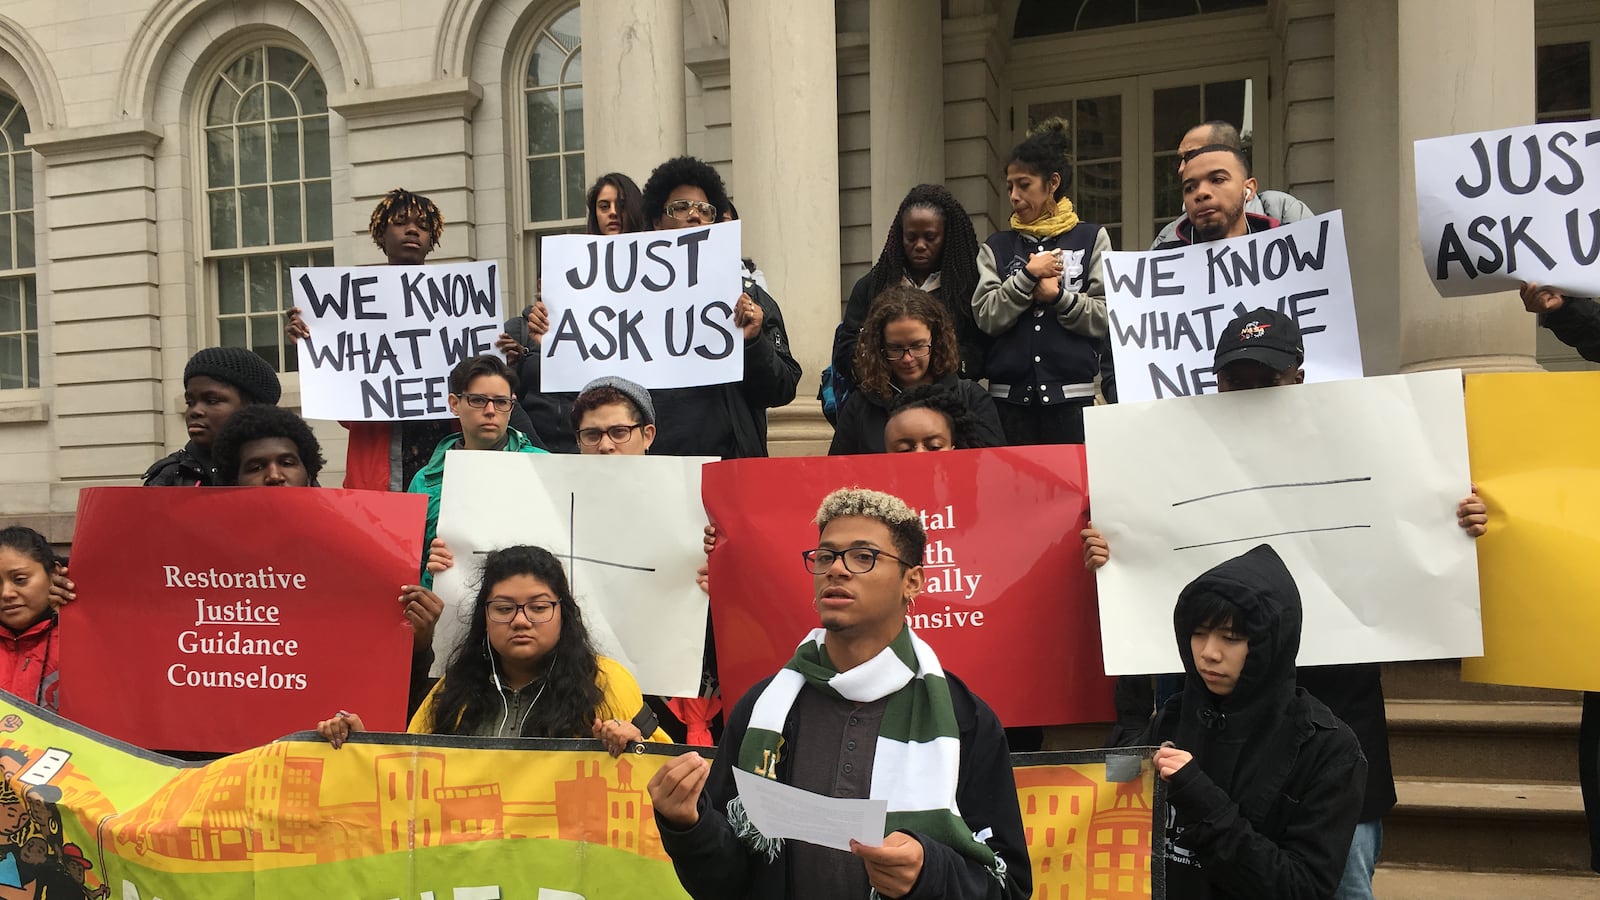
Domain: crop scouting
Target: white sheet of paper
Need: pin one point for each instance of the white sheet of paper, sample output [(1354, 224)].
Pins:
[(779, 810), (1503, 207), (628, 530), (654, 307), (384, 338), (1353, 483), (1168, 308)]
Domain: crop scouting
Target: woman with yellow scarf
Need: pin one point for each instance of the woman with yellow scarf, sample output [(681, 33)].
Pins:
[(1041, 297)]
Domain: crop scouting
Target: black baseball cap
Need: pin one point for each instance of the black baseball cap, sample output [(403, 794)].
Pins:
[(1263, 335)]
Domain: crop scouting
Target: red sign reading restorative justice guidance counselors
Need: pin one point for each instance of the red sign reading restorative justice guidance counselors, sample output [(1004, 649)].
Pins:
[(1006, 602), (216, 619)]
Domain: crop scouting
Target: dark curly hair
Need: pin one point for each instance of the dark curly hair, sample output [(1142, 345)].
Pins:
[(958, 261), (415, 206), (948, 403), (256, 421), (1045, 152), (675, 173), (467, 698), (873, 372), (628, 196)]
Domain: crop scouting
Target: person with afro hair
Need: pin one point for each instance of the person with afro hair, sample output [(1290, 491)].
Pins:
[(268, 446), (931, 247), (931, 418), (217, 382)]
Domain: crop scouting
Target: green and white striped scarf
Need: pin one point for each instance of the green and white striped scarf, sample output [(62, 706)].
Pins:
[(918, 756)]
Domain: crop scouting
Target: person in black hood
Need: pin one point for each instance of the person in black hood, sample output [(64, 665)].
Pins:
[(217, 382), (1263, 781)]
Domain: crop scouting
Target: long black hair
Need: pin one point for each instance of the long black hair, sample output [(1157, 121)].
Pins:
[(628, 196), (958, 262), (566, 707), (1045, 152)]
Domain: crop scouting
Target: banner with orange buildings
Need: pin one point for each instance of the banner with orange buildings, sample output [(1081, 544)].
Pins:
[(397, 817)]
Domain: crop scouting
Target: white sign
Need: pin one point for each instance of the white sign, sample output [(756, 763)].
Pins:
[(384, 338), (1353, 483), (654, 307), (1497, 208), (628, 530), (1168, 307)]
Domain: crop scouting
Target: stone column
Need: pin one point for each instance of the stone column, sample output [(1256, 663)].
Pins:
[(786, 163), (633, 113), (1422, 69), (906, 86)]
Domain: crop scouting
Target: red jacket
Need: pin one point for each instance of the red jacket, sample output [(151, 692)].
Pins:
[(29, 663)]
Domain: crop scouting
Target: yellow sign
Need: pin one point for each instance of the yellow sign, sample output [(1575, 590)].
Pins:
[(1534, 439)]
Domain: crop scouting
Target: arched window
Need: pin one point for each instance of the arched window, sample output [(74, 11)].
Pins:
[(19, 293), (553, 98), (269, 202)]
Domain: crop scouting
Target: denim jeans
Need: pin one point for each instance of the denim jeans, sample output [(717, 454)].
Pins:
[(1364, 848)]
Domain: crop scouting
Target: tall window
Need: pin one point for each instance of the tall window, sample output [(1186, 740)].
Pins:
[(19, 295), (269, 203), (552, 151)]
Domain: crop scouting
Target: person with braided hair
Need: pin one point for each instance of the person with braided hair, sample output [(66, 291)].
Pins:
[(1042, 297), (931, 246), (383, 456)]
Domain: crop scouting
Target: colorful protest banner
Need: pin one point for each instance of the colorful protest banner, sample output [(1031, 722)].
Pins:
[(384, 338), (654, 307), (217, 619), (415, 816), (1532, 437), (1007, 604), (1353, 483), (1497, 208), (628, 529), (1168, 307)]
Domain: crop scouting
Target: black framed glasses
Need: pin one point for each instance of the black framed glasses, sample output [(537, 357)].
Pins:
[(479, 401), (915, 351), (503, 612), (619, 434), (680, 209), (857, 560)]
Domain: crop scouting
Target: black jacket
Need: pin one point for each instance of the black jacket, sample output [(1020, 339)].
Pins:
[(1267, 806), (730, 420), (181, 468), (971, 339), (861, 421), (713, 864), (1577, 324)]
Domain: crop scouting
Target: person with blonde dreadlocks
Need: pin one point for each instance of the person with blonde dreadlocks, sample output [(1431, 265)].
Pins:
[(1042, 298), (383, 456)]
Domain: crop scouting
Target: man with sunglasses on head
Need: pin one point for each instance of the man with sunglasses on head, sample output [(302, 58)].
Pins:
[(725, 420)]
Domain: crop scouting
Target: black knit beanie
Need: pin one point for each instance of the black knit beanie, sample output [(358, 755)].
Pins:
[(244, 369)]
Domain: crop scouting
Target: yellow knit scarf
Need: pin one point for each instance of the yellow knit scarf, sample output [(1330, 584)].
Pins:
[(1063, 221)]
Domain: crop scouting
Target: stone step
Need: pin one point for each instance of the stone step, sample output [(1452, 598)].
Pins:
[(1409, 883), (1486, 827), (1512, 742), (1440, 679)]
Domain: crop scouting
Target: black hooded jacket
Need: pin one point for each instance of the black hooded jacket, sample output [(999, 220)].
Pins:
[(1267, 807)]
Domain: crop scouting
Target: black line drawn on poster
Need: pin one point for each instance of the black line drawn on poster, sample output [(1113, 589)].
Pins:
[(1272, 535), (572, 556), (1267, 487)]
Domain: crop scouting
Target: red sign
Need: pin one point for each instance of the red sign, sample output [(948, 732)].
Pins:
[(215, 619), (1008, 605)]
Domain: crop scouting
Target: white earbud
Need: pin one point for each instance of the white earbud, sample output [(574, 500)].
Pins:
[(1247, 193)]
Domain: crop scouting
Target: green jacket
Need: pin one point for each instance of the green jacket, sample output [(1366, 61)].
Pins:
[(430, 480)]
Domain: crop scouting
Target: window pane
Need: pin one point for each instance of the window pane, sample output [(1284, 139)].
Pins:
[(223, 221), (31, 351), (264, 339), (322, 257), (319, 211), (572, 118), (1225, 101), (1151, 10), (574, 72), (544, 189), (231, 333), (10, 304), (253, 217), (252, 154), (543, 133), (286, 284), (24, 176), (1098, 127), (286, 214), (5, 241), (24, 225), (1168, 187), (315, 134), (219, 157), (230, 286), (252, 108), (223, 101), (544, 68), (313, 95), (30, 304), (1562, 77), (285, 150), (576, 185), (1099, 197), (281, 103), (566, 29), (246, 70), (11, 362), (1176, 111), (16, 122), (283, 65), (12, 162), (262, 283)]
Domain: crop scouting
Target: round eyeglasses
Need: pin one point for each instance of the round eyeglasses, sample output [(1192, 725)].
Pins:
[(538, 612), (857, 560)]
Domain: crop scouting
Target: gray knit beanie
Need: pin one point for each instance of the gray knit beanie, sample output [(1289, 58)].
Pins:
[(629, 389)]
